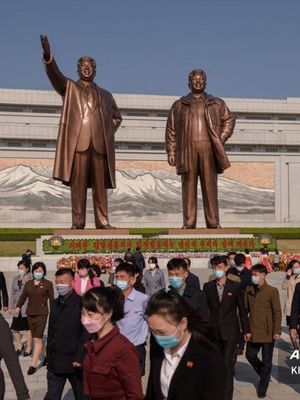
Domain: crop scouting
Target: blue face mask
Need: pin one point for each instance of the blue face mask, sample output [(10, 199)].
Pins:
[(219, 273), (21, 272), (255, 279), (176, 282), (168, 342), (123, 285), (38, 276), (63, 289)]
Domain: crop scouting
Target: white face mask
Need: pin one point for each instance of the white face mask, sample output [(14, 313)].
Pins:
[(152, 266), (296, 271), (240, 268)]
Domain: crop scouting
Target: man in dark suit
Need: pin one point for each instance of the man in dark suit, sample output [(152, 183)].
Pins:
[(225, 300), (192, 280), (66, 336), (244, 274), (85, 149), (195, 298), (3, 292)]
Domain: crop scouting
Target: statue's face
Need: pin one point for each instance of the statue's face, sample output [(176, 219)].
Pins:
[(86, 71), (197, 83)]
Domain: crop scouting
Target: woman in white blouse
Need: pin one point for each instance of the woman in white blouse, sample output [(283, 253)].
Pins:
[(186, 364)]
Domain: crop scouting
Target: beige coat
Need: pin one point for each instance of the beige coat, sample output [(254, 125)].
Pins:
[(289, 286), (220, 124), (71, 121), (263, 306)]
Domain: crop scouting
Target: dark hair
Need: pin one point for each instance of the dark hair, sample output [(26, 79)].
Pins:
[(216, 260), (138, 248), (259, 268), (247, 251), (83, 263), (231, 253), (171, 305), (176, 263), (64, 271), (96, 269), (119, 260), (292, 263), (152, 259), (38, 265), (130, 269), (240, 259), (106, 299), (22, 262)]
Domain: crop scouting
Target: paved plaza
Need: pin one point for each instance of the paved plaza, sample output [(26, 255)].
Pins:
[(245, 377)]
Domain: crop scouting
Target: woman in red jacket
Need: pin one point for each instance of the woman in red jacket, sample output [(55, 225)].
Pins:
[(111, 366)]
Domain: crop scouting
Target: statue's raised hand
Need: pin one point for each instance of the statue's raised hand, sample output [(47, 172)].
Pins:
[(46, 47)]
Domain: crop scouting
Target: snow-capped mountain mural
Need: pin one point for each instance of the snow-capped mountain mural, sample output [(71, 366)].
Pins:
[(30, 195)]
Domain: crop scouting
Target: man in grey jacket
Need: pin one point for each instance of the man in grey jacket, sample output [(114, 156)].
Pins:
[(8, 354)]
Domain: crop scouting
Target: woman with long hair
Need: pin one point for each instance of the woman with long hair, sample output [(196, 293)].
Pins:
[(186, 364)]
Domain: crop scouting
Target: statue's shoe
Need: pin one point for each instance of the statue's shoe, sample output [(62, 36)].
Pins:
[(107, 226)]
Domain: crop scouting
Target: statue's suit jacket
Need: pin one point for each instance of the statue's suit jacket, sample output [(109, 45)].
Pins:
[(220, 124), (71, 121)]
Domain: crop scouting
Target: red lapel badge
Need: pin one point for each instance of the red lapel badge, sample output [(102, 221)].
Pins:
[(229, 294), (190, 364)]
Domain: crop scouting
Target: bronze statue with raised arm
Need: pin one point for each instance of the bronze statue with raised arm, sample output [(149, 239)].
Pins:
[(85, 149), (198, 126)]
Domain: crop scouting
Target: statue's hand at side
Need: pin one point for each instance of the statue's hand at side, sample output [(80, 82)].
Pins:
[(171, 161), (46, 47)]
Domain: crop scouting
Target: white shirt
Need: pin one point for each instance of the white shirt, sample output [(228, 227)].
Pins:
[(168, 367), (83, 284)]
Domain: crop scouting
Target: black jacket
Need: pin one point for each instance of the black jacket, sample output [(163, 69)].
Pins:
[(193, 281), (66, 336), (197, 300), (224, 313), (200, 374), (244, 275), (3, 291), (295, 310)]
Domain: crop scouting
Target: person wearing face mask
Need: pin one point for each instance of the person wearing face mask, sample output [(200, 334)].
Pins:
[(134, 324), (186, 364), (85, 278), (20, 322), (65, 340), (195, 298), (230, 256), (111, 365), (154, 279), (264, 310), (38, 291), (292, 278), (240, 270), (227, 315), (244, 275), (112, 270)]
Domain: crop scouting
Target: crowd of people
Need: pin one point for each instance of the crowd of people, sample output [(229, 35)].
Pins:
[(97, 336)]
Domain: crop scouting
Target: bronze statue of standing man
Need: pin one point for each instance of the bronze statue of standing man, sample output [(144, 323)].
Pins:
[(85, 149), (198, 126)]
